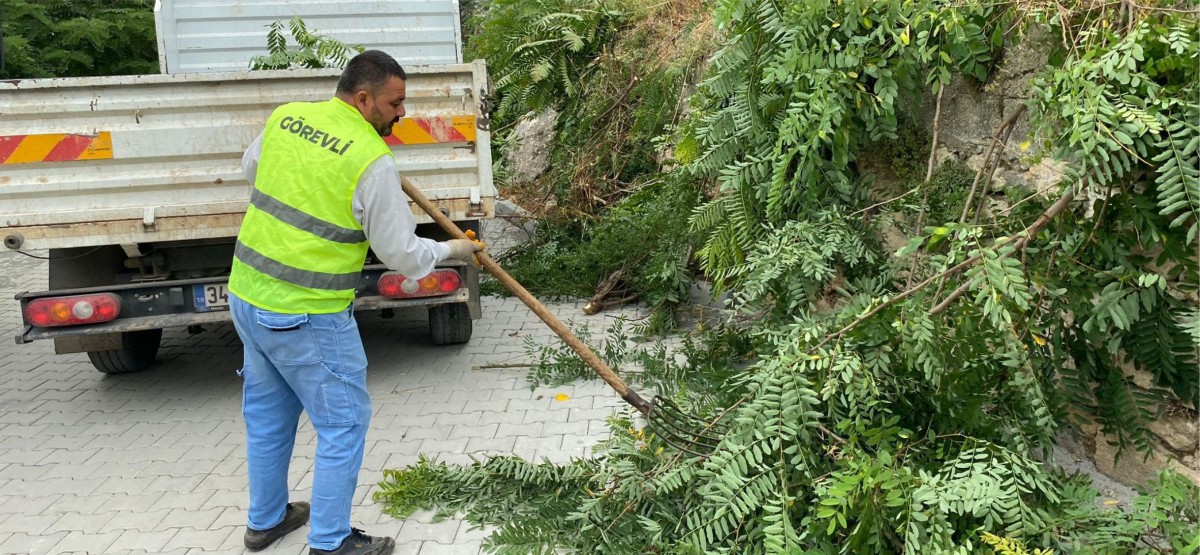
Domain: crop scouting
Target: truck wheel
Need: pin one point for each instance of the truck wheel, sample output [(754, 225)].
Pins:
[(138, 349), (450, 323)]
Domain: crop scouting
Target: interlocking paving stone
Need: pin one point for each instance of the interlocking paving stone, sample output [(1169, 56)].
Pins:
[(154, 462)]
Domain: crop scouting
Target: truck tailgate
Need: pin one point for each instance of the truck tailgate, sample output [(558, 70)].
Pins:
[(133, 159)]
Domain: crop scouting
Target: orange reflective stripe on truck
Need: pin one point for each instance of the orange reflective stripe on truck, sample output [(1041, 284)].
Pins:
[(54, 147), (440, 129)]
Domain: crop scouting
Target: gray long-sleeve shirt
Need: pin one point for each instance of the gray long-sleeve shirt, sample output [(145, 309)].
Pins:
[(381, 207)]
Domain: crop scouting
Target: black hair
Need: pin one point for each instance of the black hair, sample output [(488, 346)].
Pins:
[(369, 71)]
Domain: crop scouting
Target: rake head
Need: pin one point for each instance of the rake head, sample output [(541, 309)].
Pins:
[(682, 431)]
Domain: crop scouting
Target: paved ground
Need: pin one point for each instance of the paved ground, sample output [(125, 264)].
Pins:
[(154, 462)]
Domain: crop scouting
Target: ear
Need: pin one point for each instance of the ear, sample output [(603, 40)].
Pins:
[(360, 98)]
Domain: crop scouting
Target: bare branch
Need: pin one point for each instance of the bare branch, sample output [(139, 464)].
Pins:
[(1012, 120), (1020, 241)]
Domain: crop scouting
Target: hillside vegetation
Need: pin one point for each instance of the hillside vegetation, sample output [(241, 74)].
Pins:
[(867, 398)]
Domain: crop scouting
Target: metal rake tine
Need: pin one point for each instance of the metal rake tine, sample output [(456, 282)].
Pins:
[(680, 420), (683, 448), (673, 426), (679, 443)]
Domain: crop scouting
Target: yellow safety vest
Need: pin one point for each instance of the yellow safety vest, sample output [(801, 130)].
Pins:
[(300, 249)]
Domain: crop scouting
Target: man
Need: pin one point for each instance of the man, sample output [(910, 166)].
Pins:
[(325, 187)]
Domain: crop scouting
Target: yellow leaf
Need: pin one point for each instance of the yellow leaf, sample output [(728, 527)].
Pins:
[(561, 397), (814, 357), (1025, 145), (836, 24), (1111, 502), (853, 75), (1041, 341), (904, 36)]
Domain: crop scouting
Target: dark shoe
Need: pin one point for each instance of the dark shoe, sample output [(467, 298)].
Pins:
[(358, 543), (295, 517)]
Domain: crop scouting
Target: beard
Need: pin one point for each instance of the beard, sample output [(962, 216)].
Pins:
[(384, 129)]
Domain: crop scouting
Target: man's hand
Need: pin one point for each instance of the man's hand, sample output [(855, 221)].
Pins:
[(464, 249)]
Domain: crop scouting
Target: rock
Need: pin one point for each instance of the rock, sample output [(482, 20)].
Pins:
[(1192, 462), (1045, 176), (893, 237), (528, 155), (971, 114), (1181, 432), (975, 162), (1131, 469), (1072, 456), (1004, 179), (1141, 378), (944, 155)]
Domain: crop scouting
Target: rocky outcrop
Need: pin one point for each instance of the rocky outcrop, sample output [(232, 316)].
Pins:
[(972, 114), (528, 154)]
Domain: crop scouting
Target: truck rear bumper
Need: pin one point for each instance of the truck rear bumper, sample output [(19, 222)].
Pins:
[(170, 304)]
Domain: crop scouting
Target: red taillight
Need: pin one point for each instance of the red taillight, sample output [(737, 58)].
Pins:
[(72, 311), (395, 286)]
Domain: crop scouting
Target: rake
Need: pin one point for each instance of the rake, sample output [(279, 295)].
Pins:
[(670, 423)]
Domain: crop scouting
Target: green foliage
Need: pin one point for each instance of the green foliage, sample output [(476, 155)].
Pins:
[(557, 364), (76, 38), (1008, 546), (617, 105), (644, 236), (1161, 519), (784, 482), (948, 188), (313, 50), (905, 402), (540, 50), (796, 94), (791, 267), (1126, 104)]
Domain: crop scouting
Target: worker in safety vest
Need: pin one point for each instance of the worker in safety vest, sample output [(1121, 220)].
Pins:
[(325, 188)]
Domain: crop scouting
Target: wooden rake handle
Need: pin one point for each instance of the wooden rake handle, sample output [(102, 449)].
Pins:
[(630, 396)]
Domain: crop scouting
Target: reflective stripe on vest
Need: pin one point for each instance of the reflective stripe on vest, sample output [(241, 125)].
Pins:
[(291, 274), (307, 222)]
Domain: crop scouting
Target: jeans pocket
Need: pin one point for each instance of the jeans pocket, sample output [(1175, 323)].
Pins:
[(339, 403), (286, 338), (275, 321)]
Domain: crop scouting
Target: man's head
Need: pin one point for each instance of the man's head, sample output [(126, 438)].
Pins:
[(373, 82)]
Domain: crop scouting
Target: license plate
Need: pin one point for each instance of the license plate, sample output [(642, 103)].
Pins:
[(211, 296)]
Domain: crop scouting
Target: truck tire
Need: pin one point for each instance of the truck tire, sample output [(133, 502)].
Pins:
[(450, 323), (137, 352)]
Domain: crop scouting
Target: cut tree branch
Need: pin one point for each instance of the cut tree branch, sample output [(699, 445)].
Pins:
[(937, 128), (1019, 240)]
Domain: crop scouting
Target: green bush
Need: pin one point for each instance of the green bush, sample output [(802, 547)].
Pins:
[(78, 38)]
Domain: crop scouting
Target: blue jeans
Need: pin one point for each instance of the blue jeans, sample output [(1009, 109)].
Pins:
[(315, 363)]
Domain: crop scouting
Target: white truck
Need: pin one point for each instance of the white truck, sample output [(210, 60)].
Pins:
[(132, 187)]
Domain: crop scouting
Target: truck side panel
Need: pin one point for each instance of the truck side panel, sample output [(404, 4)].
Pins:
[(157, 158)]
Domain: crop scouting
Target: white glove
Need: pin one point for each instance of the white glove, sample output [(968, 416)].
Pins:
[(463, 249)]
